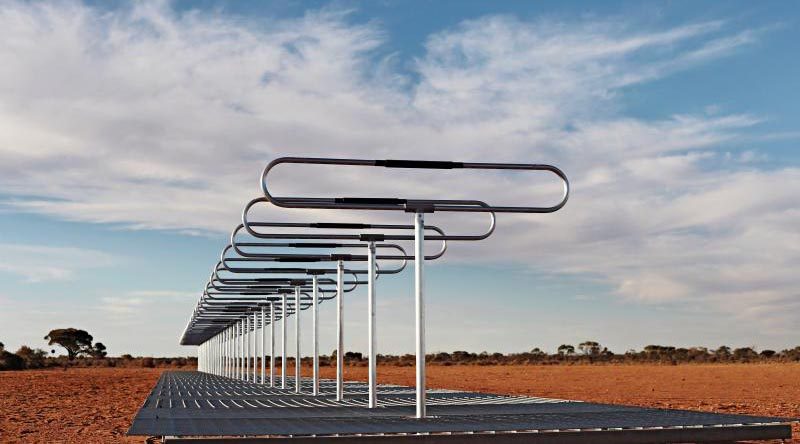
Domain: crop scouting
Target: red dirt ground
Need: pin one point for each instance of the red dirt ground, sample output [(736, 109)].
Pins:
[(97, 404)]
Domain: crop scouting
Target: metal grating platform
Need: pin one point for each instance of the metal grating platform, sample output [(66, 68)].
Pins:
[(192, 404)]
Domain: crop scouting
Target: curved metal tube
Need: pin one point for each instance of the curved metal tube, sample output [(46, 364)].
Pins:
[(412, 205), (247, 225), (282, 257)]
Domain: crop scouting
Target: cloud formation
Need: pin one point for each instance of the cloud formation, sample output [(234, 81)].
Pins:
[(37, 263), (163, 120)]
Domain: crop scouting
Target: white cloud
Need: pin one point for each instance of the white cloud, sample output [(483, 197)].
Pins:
[(159, 120), (163, 294), (121, 306), (39, 263), (131, 307)]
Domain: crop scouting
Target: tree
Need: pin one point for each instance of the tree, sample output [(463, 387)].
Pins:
[(723, 352), (538, 352), (99, 350), (589, 348), (73, 340), (744, 354), (566, 349)]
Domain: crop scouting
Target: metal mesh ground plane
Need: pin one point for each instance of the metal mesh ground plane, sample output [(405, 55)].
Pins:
[(200, 407)]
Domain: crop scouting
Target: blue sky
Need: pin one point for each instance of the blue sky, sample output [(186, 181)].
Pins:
[(130, 137)]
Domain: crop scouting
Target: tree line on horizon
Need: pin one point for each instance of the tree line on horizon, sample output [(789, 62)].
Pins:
[(81, 352)]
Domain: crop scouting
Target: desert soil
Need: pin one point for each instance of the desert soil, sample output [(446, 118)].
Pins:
[(97, 404)]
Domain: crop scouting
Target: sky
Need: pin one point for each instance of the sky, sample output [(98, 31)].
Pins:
[(131, 136)]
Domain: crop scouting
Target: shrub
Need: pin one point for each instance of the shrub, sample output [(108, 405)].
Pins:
[(33, 358), (10, 361)]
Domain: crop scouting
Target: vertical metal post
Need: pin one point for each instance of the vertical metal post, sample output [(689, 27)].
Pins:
[(246, 348), (339, 331), (315, 334), (419, 308), (255, 349), (239, 354), (284, 313), (297, 375), (371, 343), (263, 344), (233, 350), (241, 349), (272, 344)]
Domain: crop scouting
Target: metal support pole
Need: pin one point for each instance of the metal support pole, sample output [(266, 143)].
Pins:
[(283, 342), (241, 349), (297, 375), (255, 350), (419, 308), (272, 344), (371, 343), (225, 356), (339, 332), (315, 333), (263, 344), (235, 351), (246, 348)]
